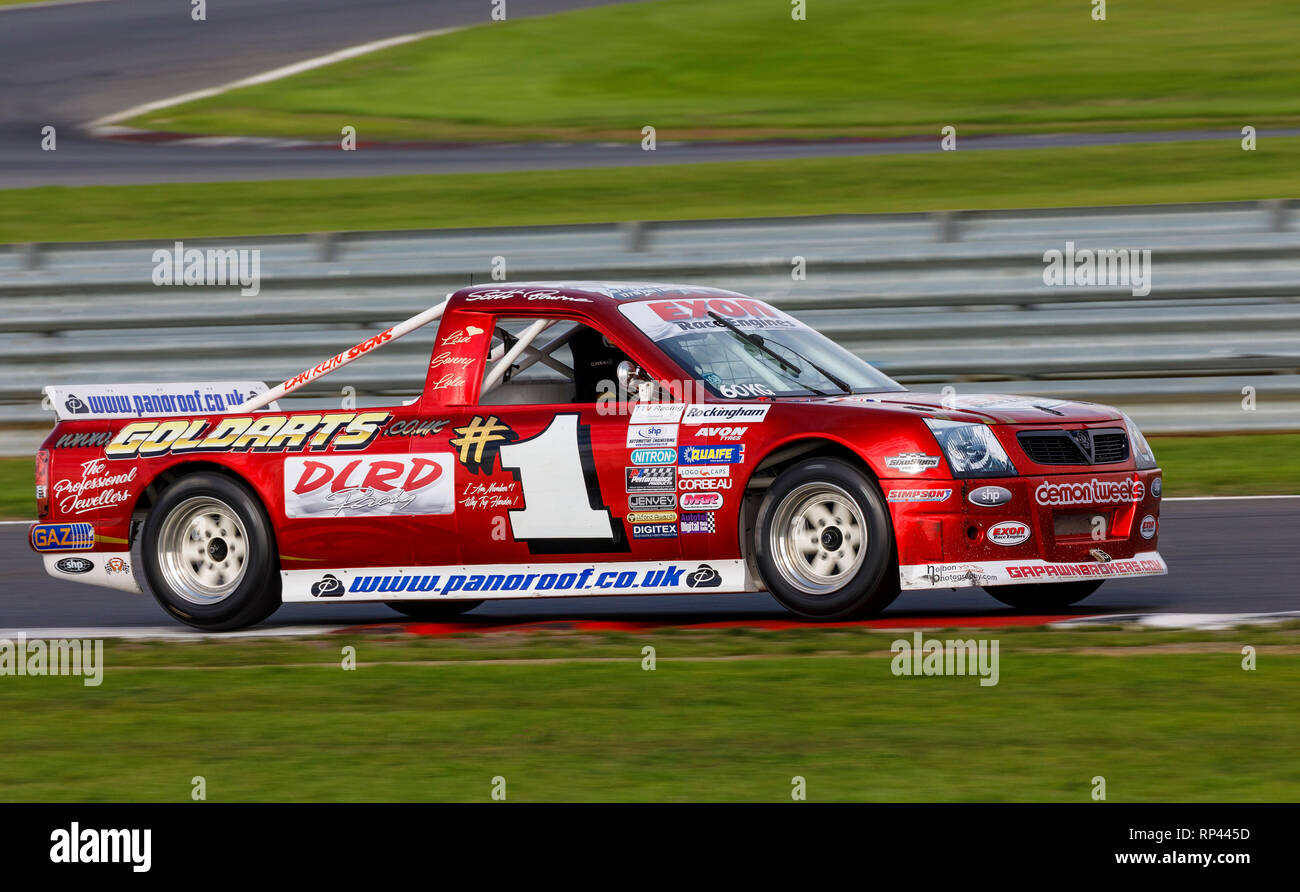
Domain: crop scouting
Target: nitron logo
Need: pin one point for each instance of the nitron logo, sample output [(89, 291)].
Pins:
[(654, 456)]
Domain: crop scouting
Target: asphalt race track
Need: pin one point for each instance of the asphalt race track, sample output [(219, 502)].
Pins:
[(67, 65), (1224, 555)]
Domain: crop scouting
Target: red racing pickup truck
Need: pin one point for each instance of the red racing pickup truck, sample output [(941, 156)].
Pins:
[(589, 438)]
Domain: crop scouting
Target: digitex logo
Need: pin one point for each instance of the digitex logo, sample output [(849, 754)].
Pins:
[(654, 456), (63, 537), (711, 455)]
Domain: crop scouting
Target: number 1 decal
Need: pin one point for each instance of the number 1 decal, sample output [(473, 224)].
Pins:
[(561, 492)]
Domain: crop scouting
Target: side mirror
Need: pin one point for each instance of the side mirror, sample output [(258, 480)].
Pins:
[(633, 381)]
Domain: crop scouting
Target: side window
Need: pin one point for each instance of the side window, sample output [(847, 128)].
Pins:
[(565, 362)]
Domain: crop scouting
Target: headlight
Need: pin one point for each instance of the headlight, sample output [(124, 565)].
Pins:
[(1141, 449), (972, 449)]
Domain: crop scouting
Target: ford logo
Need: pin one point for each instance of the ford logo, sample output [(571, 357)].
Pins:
[(74, 565), (990, 496)]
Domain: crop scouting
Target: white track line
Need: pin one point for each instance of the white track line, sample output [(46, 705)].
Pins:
[(38, 5), (266, 76), (1184, 620), (180, 633)]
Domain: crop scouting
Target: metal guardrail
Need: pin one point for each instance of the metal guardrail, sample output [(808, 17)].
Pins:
[(931, 299)]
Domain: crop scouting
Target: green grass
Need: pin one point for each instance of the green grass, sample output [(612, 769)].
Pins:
[(1182, 723), (17, 489), (1201, 171), (735, 68), (1247, 464)]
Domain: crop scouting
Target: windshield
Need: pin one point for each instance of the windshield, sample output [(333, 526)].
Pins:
[(741, 348)]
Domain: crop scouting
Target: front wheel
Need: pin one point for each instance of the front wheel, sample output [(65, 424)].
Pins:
[(209, 554), (1045, 596), (824, 543)]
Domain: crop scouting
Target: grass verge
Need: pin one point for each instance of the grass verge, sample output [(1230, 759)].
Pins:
[(1240, 465), (731, 68), (1133, 174), (724, 716)]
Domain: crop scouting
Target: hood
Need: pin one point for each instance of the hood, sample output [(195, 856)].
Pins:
[(990, 408)]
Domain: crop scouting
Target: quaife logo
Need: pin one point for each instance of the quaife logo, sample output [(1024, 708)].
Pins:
[(78, 845), (933, 656)]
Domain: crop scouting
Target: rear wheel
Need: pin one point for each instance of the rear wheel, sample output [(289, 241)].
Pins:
[(209, 554), (1048, 596), (824, 543), (433, 611)]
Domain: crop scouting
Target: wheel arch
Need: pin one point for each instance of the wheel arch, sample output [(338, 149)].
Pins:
[(174, 473)]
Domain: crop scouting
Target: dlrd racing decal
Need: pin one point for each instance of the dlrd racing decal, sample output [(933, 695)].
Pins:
[(266, 433), (369, 486)]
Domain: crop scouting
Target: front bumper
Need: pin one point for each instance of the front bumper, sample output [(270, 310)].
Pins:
[(1047, 529)]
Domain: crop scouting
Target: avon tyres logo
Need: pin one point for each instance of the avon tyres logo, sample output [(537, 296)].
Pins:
[(370, 486), (711, 455), (329, 587), (654, 456), (1090, 492), (246, 433), (63, 537), (480, 441), (1010, 532)]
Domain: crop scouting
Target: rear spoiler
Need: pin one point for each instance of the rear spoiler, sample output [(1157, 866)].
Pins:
[(83, 402)]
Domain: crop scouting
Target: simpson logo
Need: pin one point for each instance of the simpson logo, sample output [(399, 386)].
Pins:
[(989, 496), (657, 413), (1090, 492), (74, 565), (370, 486), (1011, 532), (912, 462), (711, 455), (1148, 527), (701, 501), (654, 531), (651, 479), (267, 433), (636, 503), (652, 517), (652, 435), (918, 495), (654, 456), (724, 413), (63, 537), (704, 471), (697, 523)]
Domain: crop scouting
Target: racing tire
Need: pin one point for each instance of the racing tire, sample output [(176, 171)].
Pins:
[(1044, 596), (209, 554), (433, 611), (824, 543)]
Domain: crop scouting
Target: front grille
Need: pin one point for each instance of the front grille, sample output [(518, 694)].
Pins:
[(1084, 447)]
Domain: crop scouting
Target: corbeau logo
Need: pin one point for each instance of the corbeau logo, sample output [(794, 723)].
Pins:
[(1009, 532), (373, 486), (1090, 492), (268, 433)]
